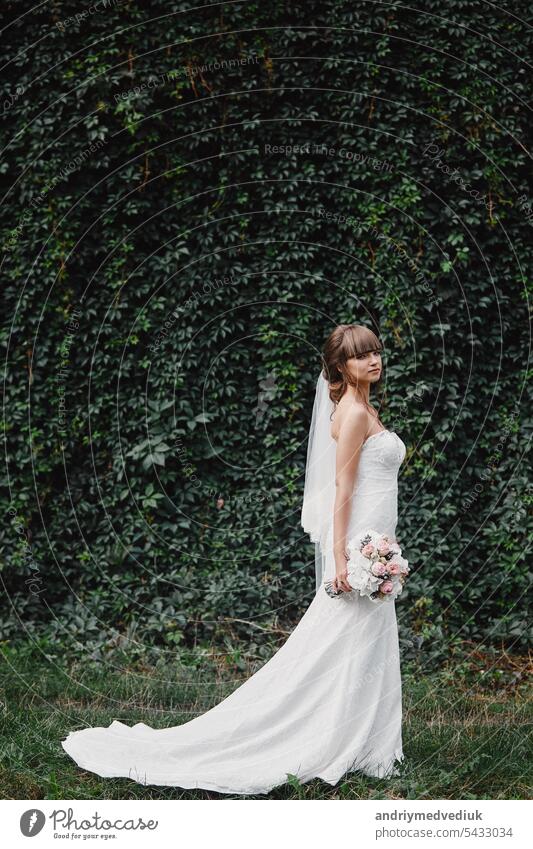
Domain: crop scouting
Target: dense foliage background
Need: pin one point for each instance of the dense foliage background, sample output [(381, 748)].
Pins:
[(171, 271)]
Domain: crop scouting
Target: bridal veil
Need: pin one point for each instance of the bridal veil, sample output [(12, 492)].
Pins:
[(319, 488)]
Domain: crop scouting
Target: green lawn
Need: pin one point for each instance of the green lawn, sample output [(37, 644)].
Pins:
[(466, 727)]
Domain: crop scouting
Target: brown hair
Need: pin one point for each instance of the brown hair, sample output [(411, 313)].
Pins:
[(345, 341)]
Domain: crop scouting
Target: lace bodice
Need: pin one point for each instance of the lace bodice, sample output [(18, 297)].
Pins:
[(375, 492), (380, 456)]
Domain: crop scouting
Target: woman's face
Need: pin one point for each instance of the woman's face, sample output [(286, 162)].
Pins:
[(365, 368)]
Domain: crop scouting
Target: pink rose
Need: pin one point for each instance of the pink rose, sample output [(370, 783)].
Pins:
[(378, 569), (394, 568), (385, 587), (367, 550), (384, 548)]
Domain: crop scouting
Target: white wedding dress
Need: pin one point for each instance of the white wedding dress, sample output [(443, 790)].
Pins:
[(327, 703)]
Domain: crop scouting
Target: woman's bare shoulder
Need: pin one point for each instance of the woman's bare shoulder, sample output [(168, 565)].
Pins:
[(348, 415)]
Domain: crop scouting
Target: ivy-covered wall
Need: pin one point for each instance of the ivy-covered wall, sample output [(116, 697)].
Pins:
[(193, 199)]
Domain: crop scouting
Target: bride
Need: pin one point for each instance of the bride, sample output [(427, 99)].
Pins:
[(329, 702)]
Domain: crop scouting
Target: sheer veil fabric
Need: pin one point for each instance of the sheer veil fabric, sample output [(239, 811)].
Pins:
[(319, 487), (327, 703)]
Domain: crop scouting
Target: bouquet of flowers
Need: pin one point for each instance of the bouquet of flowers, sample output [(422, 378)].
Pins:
[(375, 567)]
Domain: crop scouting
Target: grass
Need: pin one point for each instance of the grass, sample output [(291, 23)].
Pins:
[(465, 733)]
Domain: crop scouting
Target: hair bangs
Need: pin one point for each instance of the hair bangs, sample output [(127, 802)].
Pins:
[(358, 339)]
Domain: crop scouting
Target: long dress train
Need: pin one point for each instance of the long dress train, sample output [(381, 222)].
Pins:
[(329, 702)]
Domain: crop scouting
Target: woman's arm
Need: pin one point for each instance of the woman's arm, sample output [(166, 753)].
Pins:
[(349, 444)]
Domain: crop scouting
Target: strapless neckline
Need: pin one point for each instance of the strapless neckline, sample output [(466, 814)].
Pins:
[(379, 433), (385, 430)]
